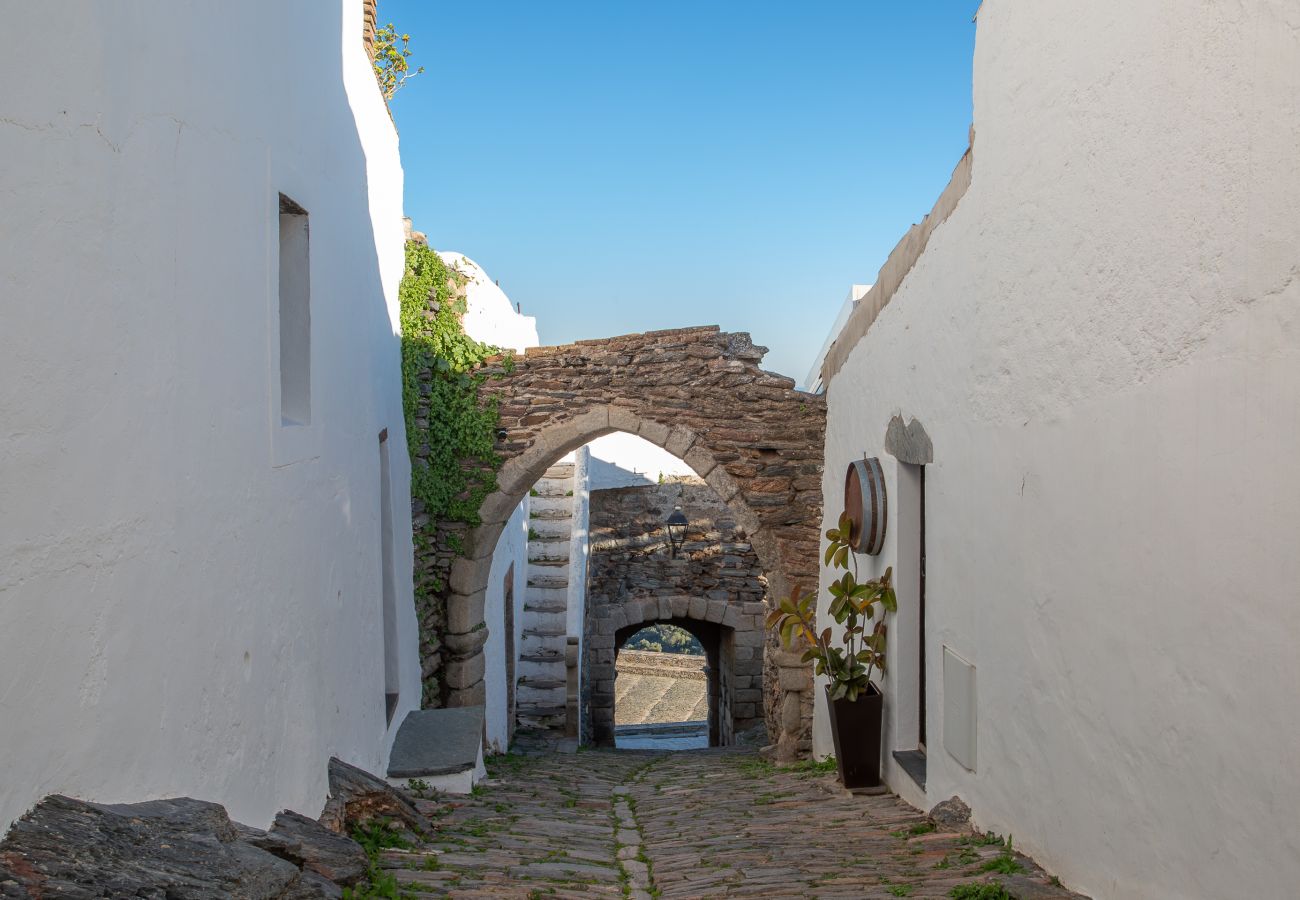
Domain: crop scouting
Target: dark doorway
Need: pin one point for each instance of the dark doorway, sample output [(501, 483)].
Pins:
[(921, 616)]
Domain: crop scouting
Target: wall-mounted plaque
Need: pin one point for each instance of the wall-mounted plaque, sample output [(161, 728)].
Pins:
[(866, 504)]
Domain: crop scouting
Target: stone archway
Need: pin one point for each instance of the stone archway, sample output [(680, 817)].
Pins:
[(607, 635), (699, 394)]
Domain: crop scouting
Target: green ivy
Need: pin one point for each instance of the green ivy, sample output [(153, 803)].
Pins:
[(453, 461)]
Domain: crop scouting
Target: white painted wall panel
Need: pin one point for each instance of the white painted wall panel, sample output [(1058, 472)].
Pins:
[(187, 605), (1103, 342)]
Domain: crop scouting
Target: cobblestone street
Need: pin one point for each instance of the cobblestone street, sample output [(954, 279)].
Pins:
[(693, 824)]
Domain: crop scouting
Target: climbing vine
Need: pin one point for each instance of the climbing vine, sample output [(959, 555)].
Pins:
[(450, 433)]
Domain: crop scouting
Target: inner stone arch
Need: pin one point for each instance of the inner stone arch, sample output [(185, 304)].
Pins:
[(697, 393), (719, 644)]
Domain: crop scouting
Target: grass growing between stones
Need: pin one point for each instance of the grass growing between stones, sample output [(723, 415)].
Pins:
[(979, 892), (374, 838)]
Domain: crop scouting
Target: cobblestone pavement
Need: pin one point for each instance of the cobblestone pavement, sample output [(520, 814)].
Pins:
[(707, 823)]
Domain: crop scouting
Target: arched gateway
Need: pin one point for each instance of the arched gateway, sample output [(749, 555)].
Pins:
[(698, 393)]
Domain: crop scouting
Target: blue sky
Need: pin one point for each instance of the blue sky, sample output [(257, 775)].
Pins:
[(622, 166)]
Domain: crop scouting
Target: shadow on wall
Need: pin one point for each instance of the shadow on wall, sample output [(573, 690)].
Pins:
[(605, 474)]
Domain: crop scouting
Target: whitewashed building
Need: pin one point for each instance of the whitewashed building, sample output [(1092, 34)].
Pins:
[(1097, 336), (205, 539)]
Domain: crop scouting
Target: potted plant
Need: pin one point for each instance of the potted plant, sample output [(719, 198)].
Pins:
[(855, 703)]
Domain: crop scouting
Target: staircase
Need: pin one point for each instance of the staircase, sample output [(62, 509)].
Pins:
[(540, 695)]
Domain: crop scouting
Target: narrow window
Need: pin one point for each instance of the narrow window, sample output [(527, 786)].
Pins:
[(295, 315), (391, 673)]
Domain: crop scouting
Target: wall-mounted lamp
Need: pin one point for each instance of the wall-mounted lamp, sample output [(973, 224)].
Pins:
[(676, 528)]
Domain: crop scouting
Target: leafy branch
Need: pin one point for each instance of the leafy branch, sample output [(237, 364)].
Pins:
[(392, 50), (854, 606)]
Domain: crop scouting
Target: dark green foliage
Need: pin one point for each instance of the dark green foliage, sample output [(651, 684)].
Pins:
[(666, 639), (980, 892), (375, 837), (1004, 863), (453, 461), (854, 606)]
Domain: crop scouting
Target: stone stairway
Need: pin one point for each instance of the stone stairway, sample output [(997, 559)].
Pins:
[(540, 694)]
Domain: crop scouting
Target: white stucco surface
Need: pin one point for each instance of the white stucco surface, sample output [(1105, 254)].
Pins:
[(490, 316), (624, 460), (190, 593), (511, 550), (579, 555), (1103, 342), (813, 380)]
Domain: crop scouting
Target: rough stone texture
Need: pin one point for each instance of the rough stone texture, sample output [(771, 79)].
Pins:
[(951, 813), (699, 393), (909, 443), (356, 796), (313, 847), (633, 581), (162, 848), (437, 742), (712, 823)]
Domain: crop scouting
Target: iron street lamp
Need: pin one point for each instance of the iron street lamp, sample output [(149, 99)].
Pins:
[(676, 528)]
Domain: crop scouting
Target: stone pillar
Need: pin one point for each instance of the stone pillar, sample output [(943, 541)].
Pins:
[(794, 737)]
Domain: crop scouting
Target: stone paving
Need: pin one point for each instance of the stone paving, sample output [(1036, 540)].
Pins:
[(712, 823)]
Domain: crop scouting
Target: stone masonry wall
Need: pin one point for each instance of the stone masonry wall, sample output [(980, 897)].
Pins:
[(700, 394), (716, 577)]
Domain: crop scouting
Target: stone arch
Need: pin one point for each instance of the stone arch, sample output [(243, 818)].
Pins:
[(717, 638), (699, 394)]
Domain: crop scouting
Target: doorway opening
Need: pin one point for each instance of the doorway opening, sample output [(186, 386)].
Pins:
[(661, 695), (911, 622), (676, 697)]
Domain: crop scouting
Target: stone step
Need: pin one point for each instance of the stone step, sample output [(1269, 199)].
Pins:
[(549, 548), (541, 714), (550, 514), (547, 622), (548, 570), (541, 648), (541, 655), (548, 554), (557, 505), (539, 630), (531, 695), (542, 683), (551, 668), (544, 602), (548, 580), (552, 487), (560, 470), (562, 535)]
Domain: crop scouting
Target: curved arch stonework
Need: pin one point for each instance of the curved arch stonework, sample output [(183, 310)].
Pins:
[(699, 394), (715, 624)]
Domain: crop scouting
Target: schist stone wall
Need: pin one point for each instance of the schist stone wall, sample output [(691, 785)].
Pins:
[(698, 393), (714, 586)]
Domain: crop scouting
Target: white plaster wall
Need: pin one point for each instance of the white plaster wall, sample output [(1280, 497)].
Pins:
[(511, 549), (813, 380), (490, 316), (1103, 342), (579, 544), (190, 596), (624, 460)]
